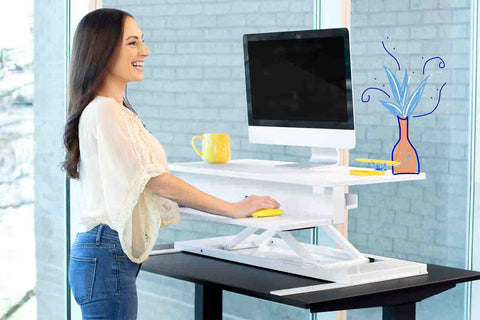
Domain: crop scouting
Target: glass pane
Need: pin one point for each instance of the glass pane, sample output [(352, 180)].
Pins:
[(17, 237), (49, 121), (475, 227), (424, 220)]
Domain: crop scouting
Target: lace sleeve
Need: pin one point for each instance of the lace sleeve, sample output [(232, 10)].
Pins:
[(126, 162)]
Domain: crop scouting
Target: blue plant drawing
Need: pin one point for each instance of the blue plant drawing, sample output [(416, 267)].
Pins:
[(403, 105)]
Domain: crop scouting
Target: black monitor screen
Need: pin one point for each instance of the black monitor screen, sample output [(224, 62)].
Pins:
[(299, 82)]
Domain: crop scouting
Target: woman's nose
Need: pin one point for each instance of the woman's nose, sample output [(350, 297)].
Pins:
[(145, 51)]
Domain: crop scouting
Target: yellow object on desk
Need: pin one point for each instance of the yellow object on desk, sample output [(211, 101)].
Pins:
[(215, 147), (387, 162), (367, 173), (267, 213)]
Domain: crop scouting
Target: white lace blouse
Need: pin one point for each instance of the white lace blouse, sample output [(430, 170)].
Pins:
[(118, 156)]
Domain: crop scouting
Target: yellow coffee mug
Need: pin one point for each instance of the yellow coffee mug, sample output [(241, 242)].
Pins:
[(215, 147)]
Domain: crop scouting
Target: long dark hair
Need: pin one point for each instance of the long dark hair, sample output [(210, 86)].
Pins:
[(94, 43)]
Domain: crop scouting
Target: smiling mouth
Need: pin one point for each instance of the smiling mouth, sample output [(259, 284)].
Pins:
[(138, 66)]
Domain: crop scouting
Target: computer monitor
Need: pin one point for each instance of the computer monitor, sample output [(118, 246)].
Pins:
[(299, 91)]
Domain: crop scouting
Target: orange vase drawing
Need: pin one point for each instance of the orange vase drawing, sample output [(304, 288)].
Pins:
[(404, 152)]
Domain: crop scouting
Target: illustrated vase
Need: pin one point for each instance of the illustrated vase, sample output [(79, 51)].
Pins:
[(404, 152)]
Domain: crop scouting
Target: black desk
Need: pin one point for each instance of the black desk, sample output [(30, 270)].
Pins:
[(211, 276)]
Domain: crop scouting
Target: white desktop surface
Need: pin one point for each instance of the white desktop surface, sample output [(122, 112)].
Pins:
[(265, 170), (285, 221)]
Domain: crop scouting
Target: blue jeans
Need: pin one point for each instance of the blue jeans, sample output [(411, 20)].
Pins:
[(102, 277)]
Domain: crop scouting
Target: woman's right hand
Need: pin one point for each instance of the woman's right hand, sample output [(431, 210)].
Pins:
[(252, 203)]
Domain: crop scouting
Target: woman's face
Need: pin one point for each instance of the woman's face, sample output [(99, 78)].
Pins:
[(127, 61)]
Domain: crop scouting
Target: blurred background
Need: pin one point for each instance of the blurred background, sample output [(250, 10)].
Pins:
[(17, 250)]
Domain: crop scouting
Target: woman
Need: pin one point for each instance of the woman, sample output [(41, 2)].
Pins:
[(128, 193)]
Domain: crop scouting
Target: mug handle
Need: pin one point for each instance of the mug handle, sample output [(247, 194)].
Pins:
[(195, 148)]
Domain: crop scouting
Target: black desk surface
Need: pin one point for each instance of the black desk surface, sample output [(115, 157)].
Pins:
[(258, 282)]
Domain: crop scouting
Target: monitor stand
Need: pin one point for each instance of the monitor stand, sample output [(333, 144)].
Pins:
[(320, 157)]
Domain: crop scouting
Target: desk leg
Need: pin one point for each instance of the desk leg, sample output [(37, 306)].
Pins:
[(208, 303), (399, 312)]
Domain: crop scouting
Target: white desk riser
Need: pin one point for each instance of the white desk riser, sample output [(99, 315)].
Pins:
[(308, 197)]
